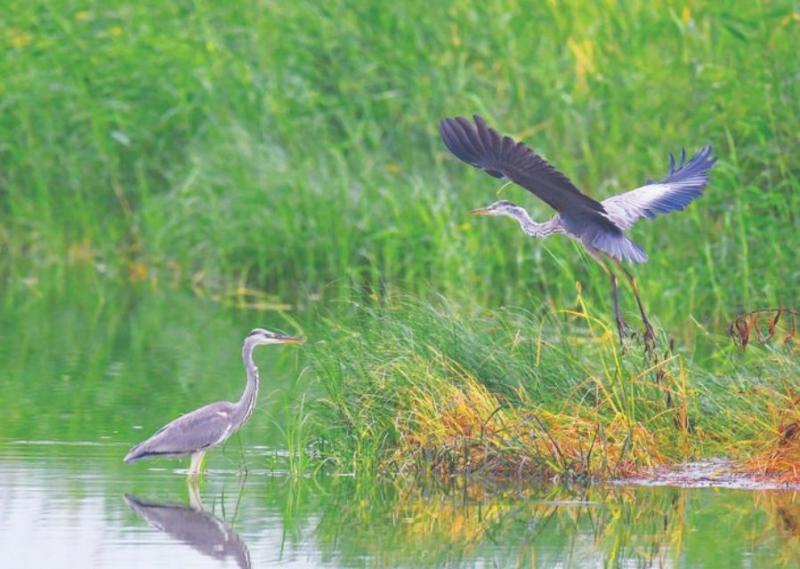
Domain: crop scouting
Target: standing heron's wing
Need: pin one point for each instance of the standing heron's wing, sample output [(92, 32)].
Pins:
[(684, 183), (188, 433), (502, 157)]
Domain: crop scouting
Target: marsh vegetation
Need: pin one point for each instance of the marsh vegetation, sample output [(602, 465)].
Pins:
[(174, 175)]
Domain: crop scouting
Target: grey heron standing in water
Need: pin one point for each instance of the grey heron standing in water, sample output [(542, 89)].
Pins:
[(194, 433), (598, 226)]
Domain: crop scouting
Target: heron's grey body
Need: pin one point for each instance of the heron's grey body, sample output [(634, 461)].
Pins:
[(598, 226), (195, 432)]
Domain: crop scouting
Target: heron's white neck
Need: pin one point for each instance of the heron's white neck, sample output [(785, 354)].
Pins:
[(533, 228), (246, 403)]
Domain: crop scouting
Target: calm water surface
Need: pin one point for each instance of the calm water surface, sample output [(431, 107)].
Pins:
[(85, 371)]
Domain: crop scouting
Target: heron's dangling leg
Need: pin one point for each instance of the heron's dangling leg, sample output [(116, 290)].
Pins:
[(621, 326), (649, 333), (197, 463)]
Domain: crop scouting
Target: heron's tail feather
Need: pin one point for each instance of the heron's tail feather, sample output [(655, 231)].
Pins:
[(144, 449), (133, 455), (138, 453), (618, 246)]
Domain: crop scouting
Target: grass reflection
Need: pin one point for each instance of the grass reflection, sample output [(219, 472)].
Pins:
[(419, 525), (358, 522)]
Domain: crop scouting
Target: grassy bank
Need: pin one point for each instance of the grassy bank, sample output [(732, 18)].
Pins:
[(414, 387)]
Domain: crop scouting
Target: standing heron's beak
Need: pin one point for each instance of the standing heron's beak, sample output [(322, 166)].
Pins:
[(290, 340), (480, 211)]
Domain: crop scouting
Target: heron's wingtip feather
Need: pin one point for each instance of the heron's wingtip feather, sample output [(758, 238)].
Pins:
[(697, 167)]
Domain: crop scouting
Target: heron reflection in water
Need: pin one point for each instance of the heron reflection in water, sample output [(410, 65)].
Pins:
[(193, 526)]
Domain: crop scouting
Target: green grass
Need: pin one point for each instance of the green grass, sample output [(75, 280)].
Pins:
[(295, 146), (288, 151), (414, 386)]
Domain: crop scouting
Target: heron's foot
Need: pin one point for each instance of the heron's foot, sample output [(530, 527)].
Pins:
[(624, 331), (649, 338)]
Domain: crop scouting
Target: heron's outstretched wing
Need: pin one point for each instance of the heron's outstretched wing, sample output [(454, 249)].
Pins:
[(502, 157), (684, 183), (188, 433)]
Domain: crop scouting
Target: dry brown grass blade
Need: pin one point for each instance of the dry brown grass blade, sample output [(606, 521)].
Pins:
[(764, 324)]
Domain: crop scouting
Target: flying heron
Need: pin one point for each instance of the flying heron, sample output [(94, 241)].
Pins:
[(598, 226), (194, 433)]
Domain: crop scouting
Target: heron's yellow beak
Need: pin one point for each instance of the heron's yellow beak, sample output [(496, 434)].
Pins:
[(480, 211), (291, 340)]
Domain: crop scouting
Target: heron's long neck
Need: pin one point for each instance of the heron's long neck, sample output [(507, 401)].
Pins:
[(248, 399), (535, 229)]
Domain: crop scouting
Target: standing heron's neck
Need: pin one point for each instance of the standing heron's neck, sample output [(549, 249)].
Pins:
[(533, 228), (248, 399)]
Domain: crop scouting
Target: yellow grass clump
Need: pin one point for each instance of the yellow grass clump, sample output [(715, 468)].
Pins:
[(452, 424), (776, 454)]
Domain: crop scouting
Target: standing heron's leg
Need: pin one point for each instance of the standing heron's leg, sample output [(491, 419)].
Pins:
[(615, 291), (649, 333), (197, 463), (195, 502)]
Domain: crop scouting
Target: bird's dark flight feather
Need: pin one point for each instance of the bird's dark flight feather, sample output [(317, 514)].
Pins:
[(502, 157)]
